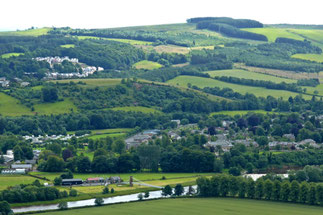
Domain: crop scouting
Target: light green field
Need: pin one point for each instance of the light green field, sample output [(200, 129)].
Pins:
[(13, 54), (10, 106), (146, 64), (32, 32), (68, 46), (136, 109), (131, 42), (100, 136), (318, 88), (205, 206), (124, 176), (239, 73), (93, 82), (273, 33), (208, 82), (13, 180), (240, 112), (65, 106), (114, 132), (316, 36), (310, 57)]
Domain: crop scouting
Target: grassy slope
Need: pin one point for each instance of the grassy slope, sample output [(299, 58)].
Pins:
[(146, 64), (131, 42), (13, 180), (239, 73), (33, 32), (7, 55), (68, 46), (273, 33), (93, 82), (310, 57), (65, 106), (223, 206), (10, 106), (137, 109), (207, 82)]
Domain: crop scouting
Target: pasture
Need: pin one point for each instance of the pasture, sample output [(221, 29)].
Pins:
[(171, 49), (239, 112), (208, 82), (68, 46), (10, 106), (239, 73), (148, 65), (12, 180), (131, 42), (92, 82), (310, 57), (66, 106), (136, 109), (31, 32), (205, 206), (273, 33), (13, 54)]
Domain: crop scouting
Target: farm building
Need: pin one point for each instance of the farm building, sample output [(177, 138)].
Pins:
[(68, 182), (13, 171), (27, 167), (95, 180), (115, 179)]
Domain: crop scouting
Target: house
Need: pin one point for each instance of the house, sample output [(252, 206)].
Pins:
[(24, 84), (27, 167), (69, 182), (115, 179), (4, 82), (222, 141), (289, 136), (95, 180)]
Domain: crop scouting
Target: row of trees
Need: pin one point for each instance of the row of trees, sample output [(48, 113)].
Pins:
[(223, 185)]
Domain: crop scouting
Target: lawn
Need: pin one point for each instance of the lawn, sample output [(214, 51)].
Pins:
[(239, 73), (68, 46), (146, 64), (12, 180), (310, 57), (13, 54), (205, 206), (273, 33), (66, 106), (240, 112), (136, 109), (32, 32), (93, 82), (10, 106), (208, 82)]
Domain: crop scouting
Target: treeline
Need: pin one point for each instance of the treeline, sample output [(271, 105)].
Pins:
[(259, 83), (285, 191), (306, 44), (308, 173), (238, 23), (230, 31)]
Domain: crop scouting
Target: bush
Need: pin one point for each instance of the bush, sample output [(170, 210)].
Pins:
[(235, 171), (112, 190), (105, 190), (98, 201), (73, 192), (140, 196), (58, 181), (146, 194), (62, 206)]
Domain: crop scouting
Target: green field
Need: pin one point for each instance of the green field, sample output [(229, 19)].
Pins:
[(240, 112), (68, 46), (13, 180), (33, 32), (208, 82), (239, 73), (205, 206), (10, 106), (93, 82), (310, 57), (273, 33), (136, 109), (66, 106), (131, 42), (318, 88), (316, 36), (13, 54), (146, 64)]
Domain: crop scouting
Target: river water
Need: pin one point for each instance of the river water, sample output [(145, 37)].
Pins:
[(90, 202)]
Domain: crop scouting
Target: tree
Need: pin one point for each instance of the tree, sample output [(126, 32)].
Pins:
[(5, 208), (179, 190), (294, 191), (276, 190), (319, 194), (54, 164), (147, 194), (234, 185), (18, 153), (190, 190), (140, 196), (105, 190), (63, 206), (262, 141), (304, 192), (149, 156), (259, 189), (67, 154), (312, 194), (73, 192), (98, 201), (167, 191), (235, 171), (49, 94), (242, 188), (251, 188), (83, 164), (119, 146), (268, 189), (285, 191), (58, 181), (112, 190)]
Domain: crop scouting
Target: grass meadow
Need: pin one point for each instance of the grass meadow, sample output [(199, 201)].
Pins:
[(10, 106), (32, 32), (13, 54), (239, 112), (66, 106), (273, 33), (205, 206), (310, 57), (136, 109), (148, 65)]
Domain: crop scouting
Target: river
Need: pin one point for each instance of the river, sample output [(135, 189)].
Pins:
[(90, 202)]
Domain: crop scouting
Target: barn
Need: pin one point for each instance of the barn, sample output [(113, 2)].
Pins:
[(68, 182)]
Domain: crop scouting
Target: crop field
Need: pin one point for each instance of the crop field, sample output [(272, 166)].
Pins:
[(146, 64), (12, 180), (273, 33), (131, 42), (93, 82), (136, 109), (240, 112), (171, 49), (125, 176), (13, 54), (208, 82), (68, 46), (65, 106), (10, 106), (32, 32), (205, 206), (239, 73), (310, 57)]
